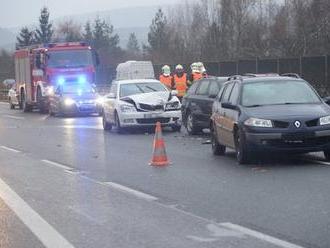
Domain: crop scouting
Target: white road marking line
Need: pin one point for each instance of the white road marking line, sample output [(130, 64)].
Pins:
[(261, 236), (47, 234), (14, 117), (4, 103), (131, 191), (58, 165), (10, 149)]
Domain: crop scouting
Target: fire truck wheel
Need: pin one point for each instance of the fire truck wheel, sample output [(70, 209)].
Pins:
[(25, 106)]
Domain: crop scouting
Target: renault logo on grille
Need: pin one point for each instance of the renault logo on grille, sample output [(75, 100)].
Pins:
[(297, 124)]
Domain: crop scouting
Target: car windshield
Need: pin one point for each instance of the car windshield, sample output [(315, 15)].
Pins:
[(139, 88), (278, 92), (77, 88), (75, 58)]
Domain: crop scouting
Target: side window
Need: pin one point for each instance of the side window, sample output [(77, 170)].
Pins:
[(203, 88), (234, 94), (214, 88), (192, 89), (226, 93)]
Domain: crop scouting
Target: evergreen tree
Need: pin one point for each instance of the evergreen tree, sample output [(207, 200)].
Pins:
[(25, 38), (45, 31), (158, 35), (103, 36), (133, 44), (88, 33)]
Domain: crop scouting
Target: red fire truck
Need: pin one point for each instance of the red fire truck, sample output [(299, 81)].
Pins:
[(39, 69)]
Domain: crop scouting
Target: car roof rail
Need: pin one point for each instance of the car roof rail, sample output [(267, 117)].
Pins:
[(290, 74), (270, 74), (235, 77)]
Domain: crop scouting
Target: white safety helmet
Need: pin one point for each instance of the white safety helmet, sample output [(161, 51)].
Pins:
[(201, 67), (179, 67), (166, 70), (194, 67)]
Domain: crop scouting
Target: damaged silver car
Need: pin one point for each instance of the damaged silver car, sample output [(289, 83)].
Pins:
[(141, 102)]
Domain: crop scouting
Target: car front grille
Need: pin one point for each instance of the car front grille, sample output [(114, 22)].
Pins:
[(312, 123), (153, 120), (281, 124), (147, 107)]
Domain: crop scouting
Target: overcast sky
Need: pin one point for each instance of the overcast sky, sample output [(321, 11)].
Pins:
[(14, 13)]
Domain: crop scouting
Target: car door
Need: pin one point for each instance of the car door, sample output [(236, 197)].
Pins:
[(214, 89), (201, 101), (223, 127), (110, 102), (189, 99), (231, 116)]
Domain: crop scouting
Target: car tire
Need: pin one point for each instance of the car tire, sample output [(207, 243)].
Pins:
[(327, 154), (242, 154), (176, 128), (191, 127), (106, 125), (217, 149), (117, 124)]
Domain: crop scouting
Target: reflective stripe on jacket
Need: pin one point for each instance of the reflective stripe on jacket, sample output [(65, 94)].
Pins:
[(166, 80), (181, 84)]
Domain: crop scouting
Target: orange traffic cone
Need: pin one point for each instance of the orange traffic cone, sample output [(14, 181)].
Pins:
[(159, 157)]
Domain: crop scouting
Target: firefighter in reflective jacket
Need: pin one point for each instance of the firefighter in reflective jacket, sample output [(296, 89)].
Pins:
[(180, 81), (166, 78), (196, 74)]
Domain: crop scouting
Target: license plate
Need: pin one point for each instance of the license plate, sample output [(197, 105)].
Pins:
[(152, 115), (86, 107)]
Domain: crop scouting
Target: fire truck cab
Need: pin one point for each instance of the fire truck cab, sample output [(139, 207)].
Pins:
[(41, 68)]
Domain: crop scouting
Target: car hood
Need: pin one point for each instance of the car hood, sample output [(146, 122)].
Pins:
[(152, 98), (289, 111), (86, 96)]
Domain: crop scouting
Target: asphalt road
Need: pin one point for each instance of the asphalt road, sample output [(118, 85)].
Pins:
[(64, 182)]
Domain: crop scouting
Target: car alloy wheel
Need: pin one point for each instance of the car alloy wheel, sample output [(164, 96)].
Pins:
[(190, 124)]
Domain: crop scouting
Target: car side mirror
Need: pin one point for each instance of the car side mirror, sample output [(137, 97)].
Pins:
[(228, 105), (38, 61), (111, 96), (327, 100), (212, 96)]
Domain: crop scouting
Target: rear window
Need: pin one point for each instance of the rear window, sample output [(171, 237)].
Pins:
[(278, 92)]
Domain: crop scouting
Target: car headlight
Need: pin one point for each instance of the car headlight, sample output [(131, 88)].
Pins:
[(325, 120), (100, 100), (173, 106), (255, 122), (127, 108), (69, 101)]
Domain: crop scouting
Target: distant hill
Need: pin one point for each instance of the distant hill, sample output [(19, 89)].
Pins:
[(125, 21), (119, 18), (7, 39)]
